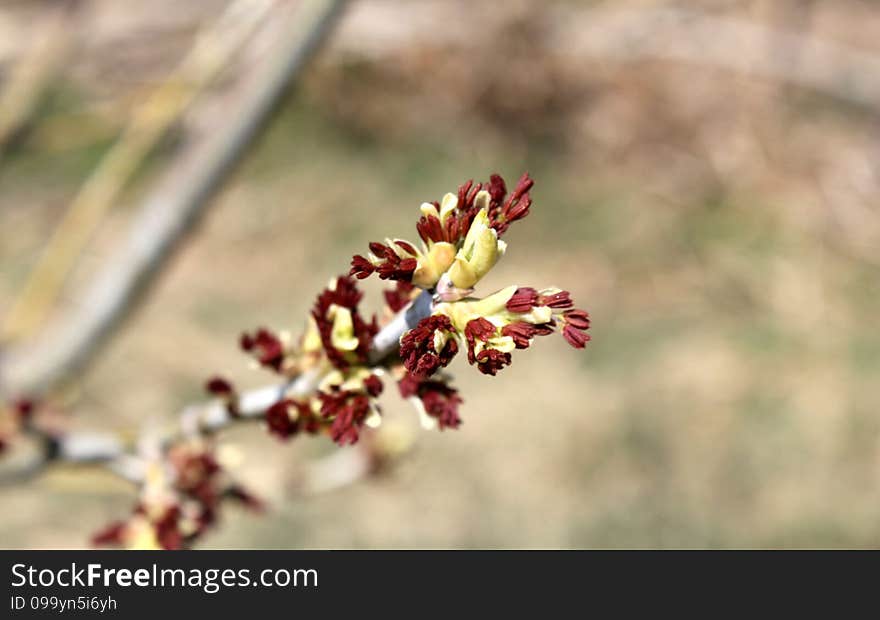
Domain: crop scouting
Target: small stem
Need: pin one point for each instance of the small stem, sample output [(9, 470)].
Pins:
[(197, 420), (388, 338)]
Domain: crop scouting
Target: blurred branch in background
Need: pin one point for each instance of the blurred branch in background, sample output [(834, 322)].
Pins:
[(24, 90), (211, 53), (172, 208)]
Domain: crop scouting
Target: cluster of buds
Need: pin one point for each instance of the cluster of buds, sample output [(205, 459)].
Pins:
[(179, 500), (509, 319), (431, 313), (461, 239), (460, 243), (344, 402), (336, 347)]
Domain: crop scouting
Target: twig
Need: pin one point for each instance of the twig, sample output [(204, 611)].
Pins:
[(86, 447), (169, 212)]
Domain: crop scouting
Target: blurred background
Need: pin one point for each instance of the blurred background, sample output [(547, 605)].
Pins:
[(707, 186)]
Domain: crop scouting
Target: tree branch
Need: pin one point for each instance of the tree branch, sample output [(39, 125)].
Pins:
[(151, 120), (168, 213), (87, 447)]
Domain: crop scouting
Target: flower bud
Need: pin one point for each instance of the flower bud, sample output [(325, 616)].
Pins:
[(342, 336), (478, 254), (432, 265), (311, 341)]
